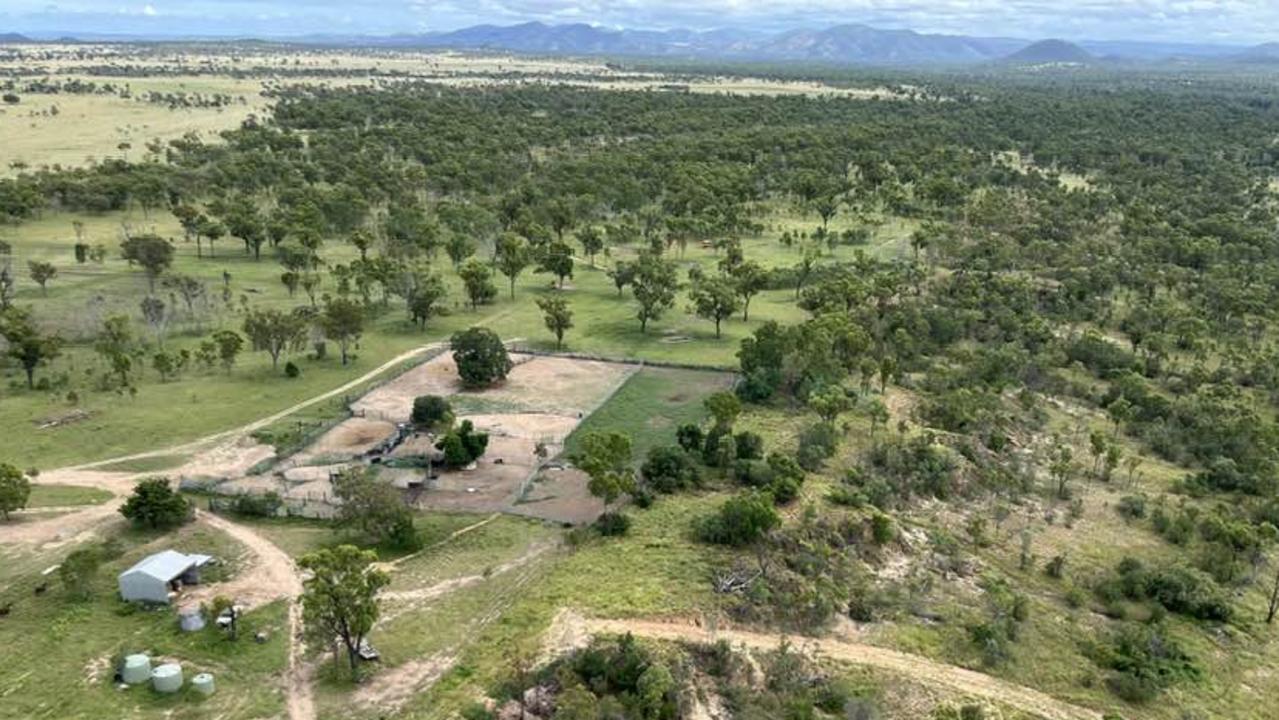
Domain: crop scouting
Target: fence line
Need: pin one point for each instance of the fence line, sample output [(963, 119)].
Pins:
[(642, 362)]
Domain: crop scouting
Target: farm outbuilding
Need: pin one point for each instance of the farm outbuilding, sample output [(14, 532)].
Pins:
[(158, 575)]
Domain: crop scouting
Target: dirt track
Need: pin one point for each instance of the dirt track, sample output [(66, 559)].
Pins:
[(917, 668), (237, 433)]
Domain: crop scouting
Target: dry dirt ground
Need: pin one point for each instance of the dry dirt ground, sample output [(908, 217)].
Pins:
[(352, 437), (560, 494), (540, 403), (548, 385), (56, 530)]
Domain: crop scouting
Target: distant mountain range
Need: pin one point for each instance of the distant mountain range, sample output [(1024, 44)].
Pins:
[(851, 44)]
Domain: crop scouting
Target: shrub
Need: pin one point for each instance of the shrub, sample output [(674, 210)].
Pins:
[(670, 469), (846, 496), (1075, 597), (753, 473), (750, 446), (817, 443), (1145, 661), (741, 520), (711, 442), (462, 445), (1132, 507), (1021, 608), (612, 524), (785, 466), (431, 412), (783, 490), (690, 437), (882, 530), (156, 505), (78, 570), (1056, 567), (403, 535), (477, 711)]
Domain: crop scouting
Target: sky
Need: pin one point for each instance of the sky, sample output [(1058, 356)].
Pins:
[(1235, 22)]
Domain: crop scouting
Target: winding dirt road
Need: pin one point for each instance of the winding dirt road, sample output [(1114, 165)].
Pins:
[(914, 667)]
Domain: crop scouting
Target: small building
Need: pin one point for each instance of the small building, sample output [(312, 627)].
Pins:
[(155, 577)]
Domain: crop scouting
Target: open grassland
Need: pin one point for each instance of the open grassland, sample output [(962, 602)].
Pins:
[(208, 401), (76, 129), (299, 536), (43, 496), (650, 406)]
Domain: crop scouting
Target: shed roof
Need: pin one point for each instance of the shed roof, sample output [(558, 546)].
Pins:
[(167, 565)]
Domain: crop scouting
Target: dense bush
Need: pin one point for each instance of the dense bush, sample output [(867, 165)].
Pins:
[(431, 413), (1176, 588), (1144, 661), (155, 504), (612, 524), (1132, 507), (690, 437), (749, 445), (741, 520), (914, 465), (463, 445), (670, 469), (817, 443)]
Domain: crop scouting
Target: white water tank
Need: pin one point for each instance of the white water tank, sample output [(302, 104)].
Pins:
[(190, 619), (136, 670), (203, 683), (167, 678)]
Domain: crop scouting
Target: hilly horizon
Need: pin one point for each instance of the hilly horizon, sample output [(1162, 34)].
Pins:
[(844, 44), (1050, 51)]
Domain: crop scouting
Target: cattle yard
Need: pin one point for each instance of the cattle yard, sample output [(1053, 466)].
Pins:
[(528, 419)]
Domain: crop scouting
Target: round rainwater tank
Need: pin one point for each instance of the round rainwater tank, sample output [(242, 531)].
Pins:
[(136, 670), (190, 619), (167, 678), (203, 683)]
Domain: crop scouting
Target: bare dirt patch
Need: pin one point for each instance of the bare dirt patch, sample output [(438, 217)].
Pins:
[(553, 385), (352, 437), (491, 485), (390, 689), (232, 459), (271, 573), (58, 530), (560, 495)]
